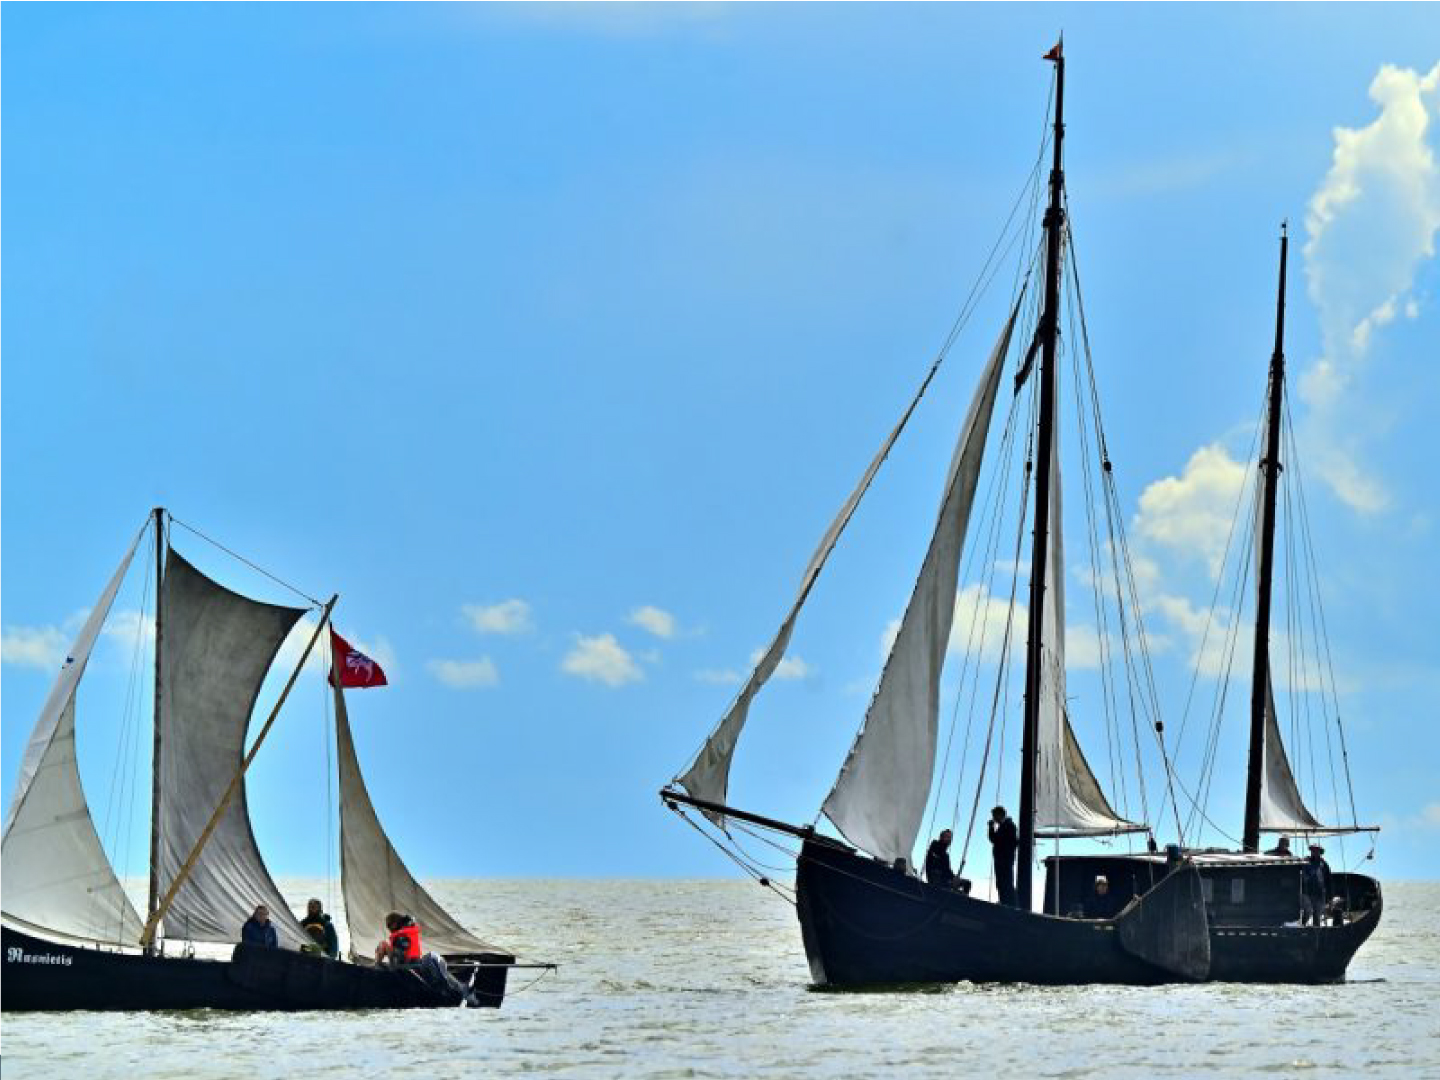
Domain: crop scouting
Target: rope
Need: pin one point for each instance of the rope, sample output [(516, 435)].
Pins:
[(241, 558)]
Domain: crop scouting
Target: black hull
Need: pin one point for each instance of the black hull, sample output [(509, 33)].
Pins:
[(865, 924), (44, 976)]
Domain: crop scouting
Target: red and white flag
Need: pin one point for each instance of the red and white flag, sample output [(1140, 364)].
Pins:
[(357, 671)]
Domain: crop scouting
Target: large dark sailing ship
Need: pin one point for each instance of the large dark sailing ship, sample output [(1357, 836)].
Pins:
[(1182, 915), (72, 939)]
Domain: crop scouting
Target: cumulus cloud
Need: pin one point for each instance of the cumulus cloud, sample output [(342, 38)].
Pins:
[(790, 667), (506, 617), (653, 619), (1370, 225), (465, 674), (720, 676), (601, 659), (1191, 514), (41, 647)]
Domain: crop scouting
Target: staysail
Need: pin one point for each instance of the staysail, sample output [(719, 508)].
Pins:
[(55, 872), (215, 651), (708, 777), (879, 798), (373, 879), (1068, 799)]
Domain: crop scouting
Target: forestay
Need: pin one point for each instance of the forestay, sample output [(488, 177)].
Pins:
[(55, 872), (1068, 799), (373, 879), (216, 647), (879, 798)]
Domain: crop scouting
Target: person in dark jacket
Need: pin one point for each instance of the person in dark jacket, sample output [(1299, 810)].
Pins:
[(937, 861), (1314, 887), (258, 931), (317, 924), (1004, 839), (1282, 847)]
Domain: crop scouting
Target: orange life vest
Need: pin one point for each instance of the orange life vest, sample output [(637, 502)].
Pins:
[(405, 943)]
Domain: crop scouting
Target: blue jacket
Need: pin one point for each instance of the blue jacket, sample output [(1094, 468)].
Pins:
[(256, 933)]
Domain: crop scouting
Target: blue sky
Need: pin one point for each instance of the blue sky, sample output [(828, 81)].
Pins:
[(552, 337)]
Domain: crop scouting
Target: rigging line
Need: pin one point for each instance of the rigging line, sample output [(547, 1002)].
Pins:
[(733, 857), (258, 569), (327, 721), (1324, 628)]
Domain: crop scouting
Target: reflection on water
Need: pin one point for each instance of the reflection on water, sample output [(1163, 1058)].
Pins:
[(708, 979)]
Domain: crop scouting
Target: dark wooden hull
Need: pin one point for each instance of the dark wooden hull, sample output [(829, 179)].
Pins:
[(865, 924), (46, 976)]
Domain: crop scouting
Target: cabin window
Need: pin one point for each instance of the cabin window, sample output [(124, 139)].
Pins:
[(1237, 890), (1207, 890)]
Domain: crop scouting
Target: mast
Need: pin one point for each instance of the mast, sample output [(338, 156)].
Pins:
[(1270, 471), (154, 901), (1049, 329)]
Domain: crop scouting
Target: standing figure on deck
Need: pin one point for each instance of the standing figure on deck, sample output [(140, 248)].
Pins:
[(403, 944), (1004, 839), (321, 930), (937, 861), (1314, 887)]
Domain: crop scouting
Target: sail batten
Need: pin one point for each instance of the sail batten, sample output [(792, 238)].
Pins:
[(373, 879), (217, 649), (54, 869), (879, 798)]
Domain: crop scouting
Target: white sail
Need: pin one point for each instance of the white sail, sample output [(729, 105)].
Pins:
[(373, 879), (216, 647), (1068, 799), (708, 777), (55, 874), (879, 798)]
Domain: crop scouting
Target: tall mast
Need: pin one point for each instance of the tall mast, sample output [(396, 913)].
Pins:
[(1049, 328), (154, 901), (1270, 471)]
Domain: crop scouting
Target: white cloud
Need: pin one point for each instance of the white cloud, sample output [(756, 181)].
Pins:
[(657, 621), (40, 647), (601, 659), (128, 628), (1192, 514), (720, 677), (506, 617), (1370, 225), (790, 667), (465, 674)]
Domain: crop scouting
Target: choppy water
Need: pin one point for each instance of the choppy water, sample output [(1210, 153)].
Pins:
[(708, 979)]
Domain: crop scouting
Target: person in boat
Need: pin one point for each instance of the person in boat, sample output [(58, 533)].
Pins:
[(402, 946), (1101, 905), (1282, 847), (937, 861), (1314, 887), (258, 931), (321, 930), (1004, 839)]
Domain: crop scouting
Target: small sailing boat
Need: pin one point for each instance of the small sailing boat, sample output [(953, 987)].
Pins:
[(866, 918), (73, 939)]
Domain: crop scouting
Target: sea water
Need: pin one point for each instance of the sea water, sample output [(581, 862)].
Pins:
[(708, 979)]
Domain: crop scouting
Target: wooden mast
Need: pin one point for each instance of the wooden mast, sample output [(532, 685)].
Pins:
[(1270, 471), (154, 901), (1049, 329)]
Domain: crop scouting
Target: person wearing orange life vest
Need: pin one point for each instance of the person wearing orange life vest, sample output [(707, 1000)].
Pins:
[(403, 944)]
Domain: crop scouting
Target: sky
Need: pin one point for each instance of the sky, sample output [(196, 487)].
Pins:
[(552, 337)]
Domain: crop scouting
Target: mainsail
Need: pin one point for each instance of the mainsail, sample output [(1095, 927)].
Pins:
[(55, 872), (373, 879), (1068, 799), (215, 651), (879, 798)]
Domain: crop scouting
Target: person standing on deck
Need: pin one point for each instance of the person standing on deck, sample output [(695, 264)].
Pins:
[(317, 924), (937, 861), (1004, 839), (1314, 887)]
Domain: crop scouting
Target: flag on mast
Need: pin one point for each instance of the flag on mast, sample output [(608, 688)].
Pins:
[(357, 671)]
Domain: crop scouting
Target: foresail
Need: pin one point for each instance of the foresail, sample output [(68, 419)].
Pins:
[(1281, 807), (373, 879), (879, 798), (216, 647), (1068, 799), (55, 873), (708, 777)]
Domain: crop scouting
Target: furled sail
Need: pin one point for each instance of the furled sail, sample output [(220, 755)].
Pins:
[(1068, 799), (708, 777), (55, 872), (372, 878), (879, 798), (216, 647)]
